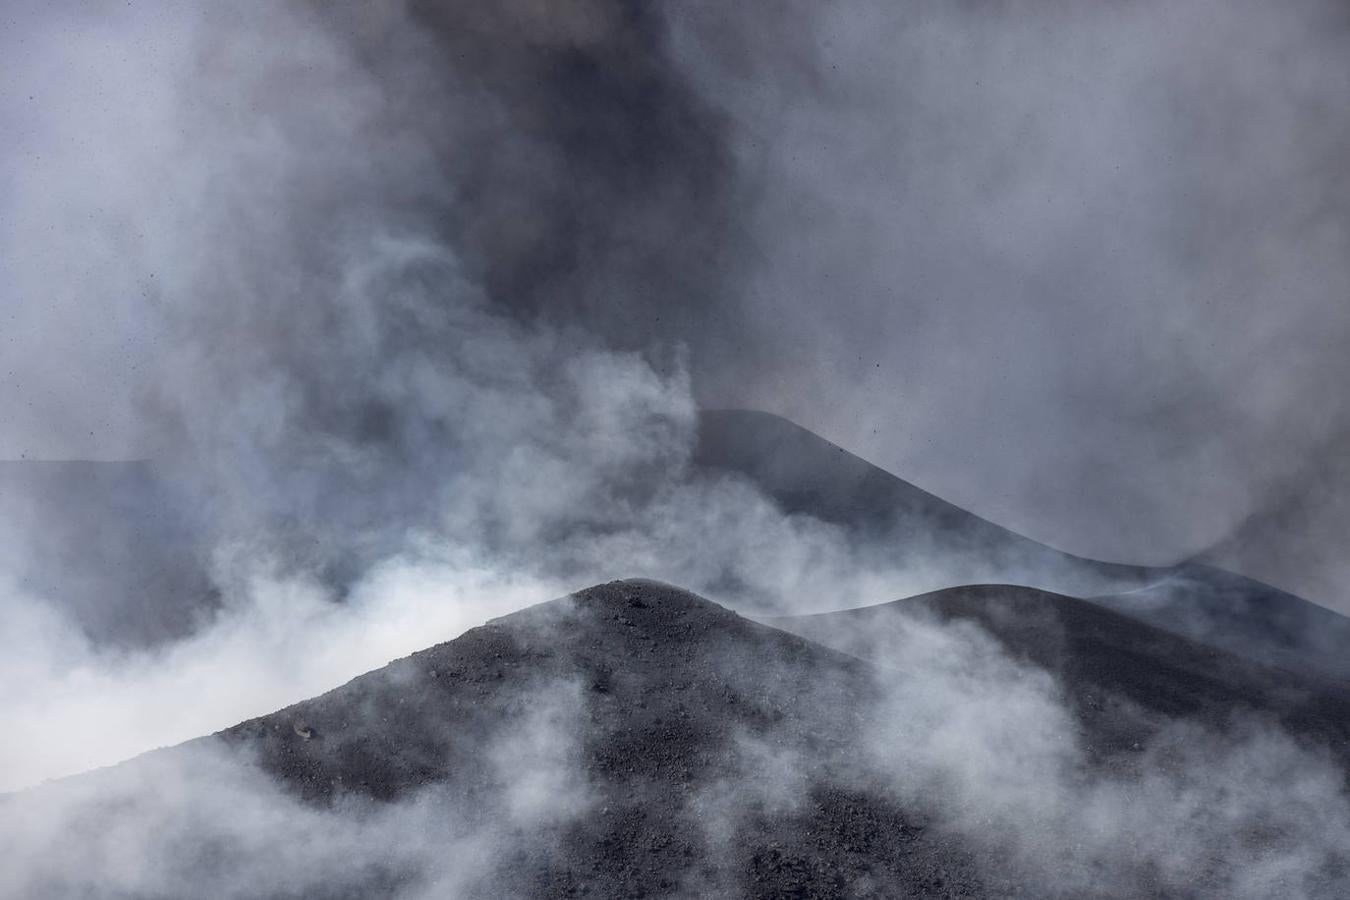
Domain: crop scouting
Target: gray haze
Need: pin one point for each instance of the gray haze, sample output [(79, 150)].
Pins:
[(414, 302), (1079, 268), (978, 748)]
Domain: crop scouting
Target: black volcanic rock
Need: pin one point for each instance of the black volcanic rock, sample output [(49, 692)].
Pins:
[(661, 690), (648, 721), (121, 554), (1123, 678), (806, 474), (636, 740), (1245, 616)]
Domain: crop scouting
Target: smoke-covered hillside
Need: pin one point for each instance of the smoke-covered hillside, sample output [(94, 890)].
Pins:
[(330, 331)]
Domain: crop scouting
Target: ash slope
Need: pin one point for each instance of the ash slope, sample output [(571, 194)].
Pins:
[(1123, 679), (120, 552), (620, 742), (806, 474), (632, 740)]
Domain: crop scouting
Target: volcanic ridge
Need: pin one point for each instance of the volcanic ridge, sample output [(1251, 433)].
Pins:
[(635, 739)]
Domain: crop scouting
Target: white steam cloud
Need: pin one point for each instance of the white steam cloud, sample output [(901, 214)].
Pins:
[(215, 252)]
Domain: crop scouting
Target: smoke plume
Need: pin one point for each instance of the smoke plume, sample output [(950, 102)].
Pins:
[(412, 305)]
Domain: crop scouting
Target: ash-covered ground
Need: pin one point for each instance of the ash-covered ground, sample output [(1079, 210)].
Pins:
[(634, 739), (331, 332)]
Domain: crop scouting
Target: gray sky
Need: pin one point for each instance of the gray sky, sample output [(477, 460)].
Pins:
[(1079, 268)]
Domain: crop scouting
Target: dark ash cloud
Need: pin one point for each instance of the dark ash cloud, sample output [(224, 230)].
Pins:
[(411, 294)]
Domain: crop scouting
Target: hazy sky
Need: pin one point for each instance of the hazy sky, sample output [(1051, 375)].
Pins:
[(1081, 268), (413, 302)]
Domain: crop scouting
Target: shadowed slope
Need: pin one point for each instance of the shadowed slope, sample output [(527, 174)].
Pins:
[(116, 550), (1245, 616), (615, 743), (637, 740), (806, 474), (1123, 678)]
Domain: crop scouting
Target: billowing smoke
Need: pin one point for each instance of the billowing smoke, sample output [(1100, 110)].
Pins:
[(412, 305), (1053, 264), (977, 748), (403, 302), (1077, 267)]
